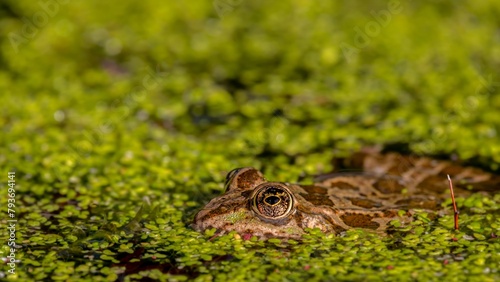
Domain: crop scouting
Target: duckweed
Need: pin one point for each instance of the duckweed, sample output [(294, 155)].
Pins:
[(121, 121)]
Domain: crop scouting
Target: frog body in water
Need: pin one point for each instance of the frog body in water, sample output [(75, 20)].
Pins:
[(395, 187)]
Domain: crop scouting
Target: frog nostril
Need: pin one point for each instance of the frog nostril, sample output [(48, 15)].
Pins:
[(272, 200)]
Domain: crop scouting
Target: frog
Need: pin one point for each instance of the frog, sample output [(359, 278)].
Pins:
[(377, 189)]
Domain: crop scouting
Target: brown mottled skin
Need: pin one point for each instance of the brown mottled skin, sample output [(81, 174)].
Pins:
[(336, 202)]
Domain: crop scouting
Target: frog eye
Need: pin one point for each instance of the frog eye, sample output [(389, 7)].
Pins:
[(243, 178), (272, 201)]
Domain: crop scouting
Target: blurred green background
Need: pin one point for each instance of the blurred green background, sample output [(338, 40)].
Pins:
[(107, 106)]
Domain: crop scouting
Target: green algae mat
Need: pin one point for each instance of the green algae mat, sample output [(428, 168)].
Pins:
[(120, 119)]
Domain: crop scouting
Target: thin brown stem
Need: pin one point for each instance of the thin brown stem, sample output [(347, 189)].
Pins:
[(455, 209)]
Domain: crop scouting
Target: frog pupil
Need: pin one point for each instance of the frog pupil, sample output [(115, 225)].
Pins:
[(272, 200)]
